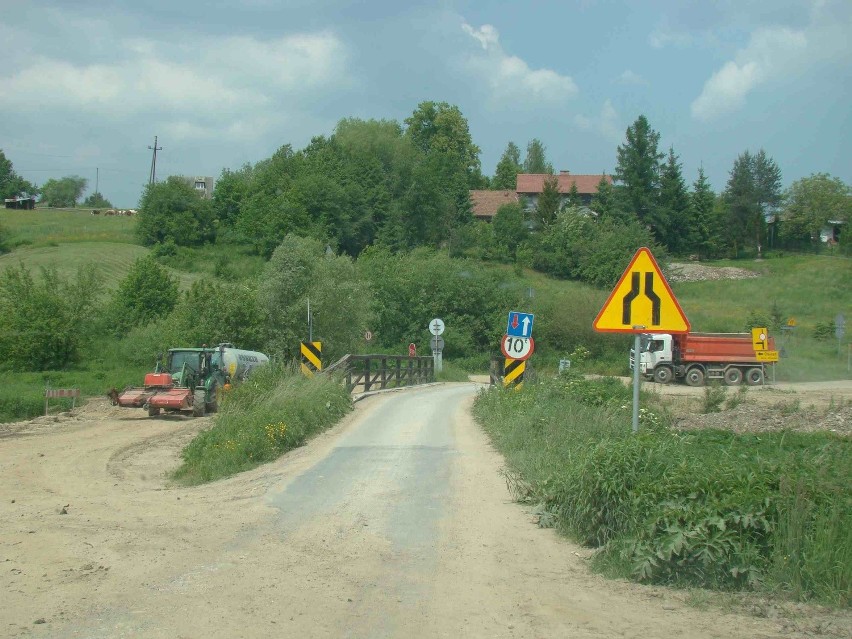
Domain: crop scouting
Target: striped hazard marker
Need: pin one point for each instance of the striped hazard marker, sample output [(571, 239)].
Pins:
[(311, 358), (513, 373)]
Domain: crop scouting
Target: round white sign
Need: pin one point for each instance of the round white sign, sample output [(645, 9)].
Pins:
[(517, 347), (436, 326)]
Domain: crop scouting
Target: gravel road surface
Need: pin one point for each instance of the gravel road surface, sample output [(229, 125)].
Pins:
[(396, 523)]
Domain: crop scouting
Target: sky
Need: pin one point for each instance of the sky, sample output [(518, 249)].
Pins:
[(85, 85)]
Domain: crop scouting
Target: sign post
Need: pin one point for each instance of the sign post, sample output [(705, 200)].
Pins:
[(641, 301), (436, 327)]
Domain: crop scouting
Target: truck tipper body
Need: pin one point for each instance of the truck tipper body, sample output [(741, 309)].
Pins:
[(697, 358)]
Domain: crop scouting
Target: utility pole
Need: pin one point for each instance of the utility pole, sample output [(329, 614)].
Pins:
[(155, 148), (97, 177)]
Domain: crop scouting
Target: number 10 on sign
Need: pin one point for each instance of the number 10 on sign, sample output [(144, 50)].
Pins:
[(517, 347)]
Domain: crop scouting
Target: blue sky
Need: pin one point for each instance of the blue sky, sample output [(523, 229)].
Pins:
[(86, 85)]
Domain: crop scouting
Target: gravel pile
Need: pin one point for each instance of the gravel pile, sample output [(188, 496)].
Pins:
[(695, 272), (754, 418)]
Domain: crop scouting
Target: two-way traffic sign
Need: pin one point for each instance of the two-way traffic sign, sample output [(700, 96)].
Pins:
[(520, 324)]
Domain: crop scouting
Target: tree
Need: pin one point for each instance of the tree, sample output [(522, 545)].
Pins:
[(536, 160), (146, 293), (573, 198), (97, 201), (548, 202), (767, 178), (674, 208), (63, 193), (506, 174), (702, 203), (299, 270), (638, 171), (509, 228), (809, 205), (440, 128), (745, 219), (603, 202), (45, 320), (11, 184), (232, 189), (174, 210)]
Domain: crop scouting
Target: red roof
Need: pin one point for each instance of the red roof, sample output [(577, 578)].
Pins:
[(487, 203), (534, 182)]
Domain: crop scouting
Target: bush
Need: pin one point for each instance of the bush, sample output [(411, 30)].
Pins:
[(173, 210), (45, 321), (707, 508), (276, 410), (147, 292)]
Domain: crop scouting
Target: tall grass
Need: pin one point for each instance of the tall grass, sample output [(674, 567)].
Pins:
[(43, 227), (708, 508), (276, 410)]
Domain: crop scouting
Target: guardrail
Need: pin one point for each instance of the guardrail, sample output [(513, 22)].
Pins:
[(378, 372)]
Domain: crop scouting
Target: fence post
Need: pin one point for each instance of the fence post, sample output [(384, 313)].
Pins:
[(367, 376)]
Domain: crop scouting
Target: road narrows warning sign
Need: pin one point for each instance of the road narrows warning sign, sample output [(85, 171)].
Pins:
[(642, 298)]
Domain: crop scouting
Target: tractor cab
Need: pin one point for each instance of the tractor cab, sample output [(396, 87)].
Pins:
[(188, 366)]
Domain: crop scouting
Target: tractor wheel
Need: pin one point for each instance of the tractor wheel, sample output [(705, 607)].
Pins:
[(663, 374), (198, 403), (754, 376), (216, 397), (695, 377), (153, 411), (733, 376)]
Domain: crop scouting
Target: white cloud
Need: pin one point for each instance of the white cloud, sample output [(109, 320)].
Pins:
[(770, 53), (605, 123), (509, 78), (632, 78), (199, 87)]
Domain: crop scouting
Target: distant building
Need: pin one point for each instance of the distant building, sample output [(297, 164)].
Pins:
[(530, 186), (20, 202), (486, 203), (203, 184)]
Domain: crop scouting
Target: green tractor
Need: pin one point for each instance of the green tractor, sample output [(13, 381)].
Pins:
[(190, 379)]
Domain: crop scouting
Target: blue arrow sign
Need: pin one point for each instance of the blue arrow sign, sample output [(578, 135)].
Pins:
[(520, 324)]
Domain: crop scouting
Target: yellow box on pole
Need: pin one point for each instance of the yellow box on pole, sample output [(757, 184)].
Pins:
[(513, 373)]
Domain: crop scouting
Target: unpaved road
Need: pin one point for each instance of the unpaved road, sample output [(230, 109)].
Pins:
[(396, 523)]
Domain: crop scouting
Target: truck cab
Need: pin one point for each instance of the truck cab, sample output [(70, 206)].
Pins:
[(654, 349)]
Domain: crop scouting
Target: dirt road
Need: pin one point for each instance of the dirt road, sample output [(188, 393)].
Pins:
[(396, 523)]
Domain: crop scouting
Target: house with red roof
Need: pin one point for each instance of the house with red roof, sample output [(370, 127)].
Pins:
[(485, 204), (530, 186)]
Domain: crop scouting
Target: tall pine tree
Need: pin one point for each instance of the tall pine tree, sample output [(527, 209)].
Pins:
[(548, 201), (506, 174), (536, 160), (744, 220), (673, 208), (702, 201), (638, 171)]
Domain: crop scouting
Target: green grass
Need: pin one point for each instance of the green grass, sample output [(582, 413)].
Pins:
[(222, 261), (112, 260), (22, 394), (276, 410), (43, 227), (707, 508)]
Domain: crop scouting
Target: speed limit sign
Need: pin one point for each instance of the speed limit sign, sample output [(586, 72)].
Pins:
[(517, 347)]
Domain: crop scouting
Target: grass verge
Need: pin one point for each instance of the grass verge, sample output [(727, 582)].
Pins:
[(276, 410), (702, 508)]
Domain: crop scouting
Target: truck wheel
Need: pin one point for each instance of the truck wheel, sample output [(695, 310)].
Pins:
[(663, 374), (733, 376), (754, 376), (153, 411), (198, 403), (695, 377), (215, 398)]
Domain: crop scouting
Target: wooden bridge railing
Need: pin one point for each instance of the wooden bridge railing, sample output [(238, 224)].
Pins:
[(377, 372)]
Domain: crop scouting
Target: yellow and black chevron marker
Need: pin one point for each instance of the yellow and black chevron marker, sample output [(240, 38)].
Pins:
[(513, 373), (311, 358)]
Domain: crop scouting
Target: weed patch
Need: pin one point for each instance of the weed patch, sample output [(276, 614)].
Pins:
[(276, 410), (702, 508)]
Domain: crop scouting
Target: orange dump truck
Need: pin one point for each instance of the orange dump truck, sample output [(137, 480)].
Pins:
[(697, 358)]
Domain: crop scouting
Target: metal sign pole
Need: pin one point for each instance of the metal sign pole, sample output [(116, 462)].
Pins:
[(636, 358)]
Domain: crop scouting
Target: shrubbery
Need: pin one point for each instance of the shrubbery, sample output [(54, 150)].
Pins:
[(707, 508), (275, 410)]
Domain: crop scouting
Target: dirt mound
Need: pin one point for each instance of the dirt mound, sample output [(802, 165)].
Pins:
[(696, 272), (756, 418)]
